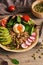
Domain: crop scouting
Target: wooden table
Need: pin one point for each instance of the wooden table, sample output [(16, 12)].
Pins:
[(26, 57)]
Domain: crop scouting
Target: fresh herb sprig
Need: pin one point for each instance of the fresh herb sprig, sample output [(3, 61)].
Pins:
[(14, 61)]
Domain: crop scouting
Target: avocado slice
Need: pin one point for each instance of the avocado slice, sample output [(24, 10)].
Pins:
[(5, 37), (9, 40)]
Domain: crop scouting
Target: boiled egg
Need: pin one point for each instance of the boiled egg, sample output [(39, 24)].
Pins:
[(18, 28)]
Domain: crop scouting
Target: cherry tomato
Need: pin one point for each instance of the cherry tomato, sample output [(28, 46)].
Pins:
[(26, 17), (3, 22), (11, 8)]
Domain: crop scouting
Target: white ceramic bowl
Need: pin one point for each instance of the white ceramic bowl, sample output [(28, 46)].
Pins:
[(37, 14)]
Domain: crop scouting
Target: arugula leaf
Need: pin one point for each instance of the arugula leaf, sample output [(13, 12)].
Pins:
[(14, 61)]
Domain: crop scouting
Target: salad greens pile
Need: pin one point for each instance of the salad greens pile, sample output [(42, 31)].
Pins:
[(29, 26)]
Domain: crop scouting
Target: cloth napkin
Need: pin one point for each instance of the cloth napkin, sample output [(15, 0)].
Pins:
[(21, 5)]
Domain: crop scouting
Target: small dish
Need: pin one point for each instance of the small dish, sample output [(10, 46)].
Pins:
[(37, 13)]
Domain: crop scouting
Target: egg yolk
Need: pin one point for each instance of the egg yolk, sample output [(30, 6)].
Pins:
[(19, 27)]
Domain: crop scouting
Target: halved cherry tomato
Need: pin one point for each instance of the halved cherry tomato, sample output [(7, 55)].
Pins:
[(11, 8), (26, 17), (3, 22)]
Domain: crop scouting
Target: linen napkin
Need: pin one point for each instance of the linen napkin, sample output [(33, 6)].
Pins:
[(21, 5)]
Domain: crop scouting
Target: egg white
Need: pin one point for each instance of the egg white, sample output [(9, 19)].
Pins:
[(16, 30)]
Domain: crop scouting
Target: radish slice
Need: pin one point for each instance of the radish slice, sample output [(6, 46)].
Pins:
[(33, 34), (31, 37), (24, 45), (28, 43), (30, 40)]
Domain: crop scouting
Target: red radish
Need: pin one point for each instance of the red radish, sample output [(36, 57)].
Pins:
[(11, 8), (32, 37), (28, 43), (24, 45), (30, 40), (33, 34), (26, 17)]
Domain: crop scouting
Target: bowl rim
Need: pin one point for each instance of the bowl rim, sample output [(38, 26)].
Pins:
[(27, 49)]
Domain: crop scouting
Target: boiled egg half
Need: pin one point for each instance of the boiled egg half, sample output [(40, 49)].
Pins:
[(18, 28)]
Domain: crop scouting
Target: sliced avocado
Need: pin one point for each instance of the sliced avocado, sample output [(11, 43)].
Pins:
[(5, 30), (9, 40), (2, 39), (5, 37)]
